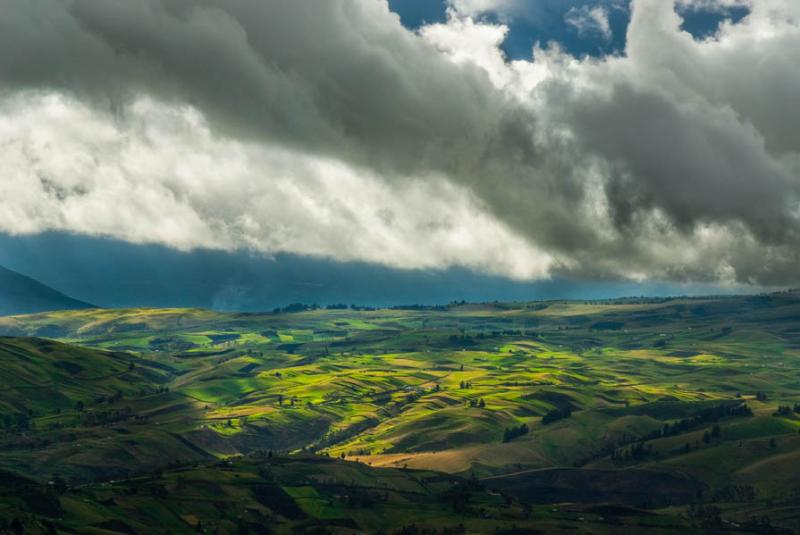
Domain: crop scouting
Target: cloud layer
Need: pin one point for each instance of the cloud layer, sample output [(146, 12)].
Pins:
[(326, 128)]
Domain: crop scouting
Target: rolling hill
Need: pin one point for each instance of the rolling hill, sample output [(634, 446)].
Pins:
[(23, 295), (633, 415)]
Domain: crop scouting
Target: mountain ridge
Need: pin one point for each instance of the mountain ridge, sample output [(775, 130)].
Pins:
[(20, 294)]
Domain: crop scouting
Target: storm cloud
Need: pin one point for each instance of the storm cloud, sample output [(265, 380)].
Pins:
[(328, 129)]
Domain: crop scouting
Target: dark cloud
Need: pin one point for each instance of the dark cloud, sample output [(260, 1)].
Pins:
[(340, 77), (693, 163)]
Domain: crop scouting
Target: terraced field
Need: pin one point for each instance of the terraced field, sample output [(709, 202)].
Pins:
[(493, 413)]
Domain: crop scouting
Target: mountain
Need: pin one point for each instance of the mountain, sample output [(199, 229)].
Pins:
[(23, 295)]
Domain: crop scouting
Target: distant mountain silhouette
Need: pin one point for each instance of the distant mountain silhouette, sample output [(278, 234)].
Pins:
[(23, 295)]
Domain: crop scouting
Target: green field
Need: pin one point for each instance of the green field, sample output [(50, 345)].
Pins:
[(598, 417)]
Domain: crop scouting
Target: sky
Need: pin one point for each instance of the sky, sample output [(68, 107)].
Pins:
[(399, 151)]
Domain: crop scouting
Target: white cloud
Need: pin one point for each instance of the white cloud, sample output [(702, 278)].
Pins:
[(712, 5), (590, 21), (473, 8), (464, 41), (157, 174)]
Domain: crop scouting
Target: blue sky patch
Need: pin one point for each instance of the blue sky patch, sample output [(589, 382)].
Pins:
[(416, 13), (546, 21), (703, 23), (549, 21)]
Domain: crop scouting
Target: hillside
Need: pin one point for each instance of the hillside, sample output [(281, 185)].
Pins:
[(41, 377), (23, 295), (639, 403)]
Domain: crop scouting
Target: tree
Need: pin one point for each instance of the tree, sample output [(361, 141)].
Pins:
[(716, 432), (556, 414), (511, 433), (783, 410)]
